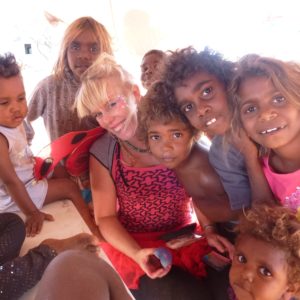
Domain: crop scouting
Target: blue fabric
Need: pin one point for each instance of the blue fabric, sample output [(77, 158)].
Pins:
[(87, 195), (230, 165)]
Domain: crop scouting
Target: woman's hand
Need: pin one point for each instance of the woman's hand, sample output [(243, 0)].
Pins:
[(34, 222), (149, 263)]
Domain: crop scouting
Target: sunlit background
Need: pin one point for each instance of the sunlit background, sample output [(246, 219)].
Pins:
[(232, 27)]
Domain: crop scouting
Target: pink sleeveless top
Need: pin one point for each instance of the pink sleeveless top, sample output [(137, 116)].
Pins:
[(151, 202), (150, 199), (286, 187)]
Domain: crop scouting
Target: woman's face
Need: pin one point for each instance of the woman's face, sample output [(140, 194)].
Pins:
[(118, 114), (82, 52)]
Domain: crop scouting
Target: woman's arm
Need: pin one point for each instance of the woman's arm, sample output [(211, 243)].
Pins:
[(18, 192), (105, 210)]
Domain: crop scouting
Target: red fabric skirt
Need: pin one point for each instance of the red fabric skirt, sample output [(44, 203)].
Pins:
[(188, 257)]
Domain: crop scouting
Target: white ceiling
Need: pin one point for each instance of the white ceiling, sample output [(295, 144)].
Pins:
[(233, 27)]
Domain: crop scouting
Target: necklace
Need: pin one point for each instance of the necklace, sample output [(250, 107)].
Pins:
[(128, 157), (135, 148)]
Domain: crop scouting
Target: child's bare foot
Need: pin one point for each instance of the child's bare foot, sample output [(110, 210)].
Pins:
[(82, 241)]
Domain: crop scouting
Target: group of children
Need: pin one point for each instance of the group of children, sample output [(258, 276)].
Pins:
[(147, 167), (261, 94)]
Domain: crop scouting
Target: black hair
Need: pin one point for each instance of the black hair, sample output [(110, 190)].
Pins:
[(155, 51), (184, 63), (158, 105), (8, 66)]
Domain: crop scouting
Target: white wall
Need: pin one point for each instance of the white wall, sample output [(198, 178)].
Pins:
[(232, 27)]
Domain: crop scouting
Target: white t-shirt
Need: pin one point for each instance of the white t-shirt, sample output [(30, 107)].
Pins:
[(22, 160)]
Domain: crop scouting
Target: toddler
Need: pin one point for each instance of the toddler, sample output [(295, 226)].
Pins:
[(19, 191)]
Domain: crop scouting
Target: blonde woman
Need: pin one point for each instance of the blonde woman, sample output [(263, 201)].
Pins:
[(136, 199)]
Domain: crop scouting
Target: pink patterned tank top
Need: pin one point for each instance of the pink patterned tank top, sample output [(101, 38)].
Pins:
[(150, 199)]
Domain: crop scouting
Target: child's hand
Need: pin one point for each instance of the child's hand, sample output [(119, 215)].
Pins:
[(220, 243), (150, 264), (244, 144), (34, 222)]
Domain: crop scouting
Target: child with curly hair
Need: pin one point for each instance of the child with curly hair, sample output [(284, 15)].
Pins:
[(173, 141), (200, 82), (266, 264)]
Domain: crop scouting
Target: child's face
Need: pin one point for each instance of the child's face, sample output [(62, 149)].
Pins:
[(150, 67), (202, 98), (170, 143), (118, 115), (82, 52), (13, 105), (258, 271), (267, 116)]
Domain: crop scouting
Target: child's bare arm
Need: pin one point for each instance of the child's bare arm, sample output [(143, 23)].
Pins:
[(210, 231), (204, 186), (18, 192)]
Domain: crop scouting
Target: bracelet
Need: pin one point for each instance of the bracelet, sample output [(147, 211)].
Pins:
[(208, 226)]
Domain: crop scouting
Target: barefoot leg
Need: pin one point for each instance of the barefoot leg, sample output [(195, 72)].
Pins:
[(81, 241)]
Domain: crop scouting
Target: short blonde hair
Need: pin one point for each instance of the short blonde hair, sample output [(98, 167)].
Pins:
[(93, 90), (74, 30)]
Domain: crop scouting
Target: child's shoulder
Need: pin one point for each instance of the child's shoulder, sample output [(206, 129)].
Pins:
[(7, 131), (12, 136), (198, 155), (197, 159)]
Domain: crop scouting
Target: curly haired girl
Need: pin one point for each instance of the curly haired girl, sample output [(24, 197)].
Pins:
[(266, 264)]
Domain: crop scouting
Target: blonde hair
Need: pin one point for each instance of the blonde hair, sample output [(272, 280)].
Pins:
[(74, 30), (93, 90), (285, 77)]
